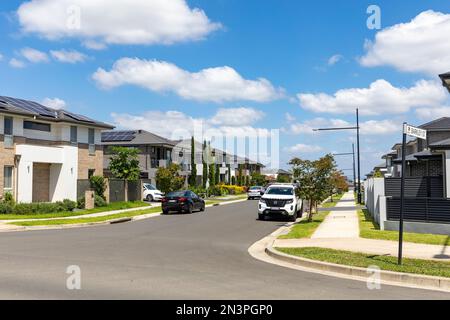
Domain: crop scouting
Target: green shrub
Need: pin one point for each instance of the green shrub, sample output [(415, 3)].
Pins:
[(5, 208), (200, 191), (69, 205), (99, 201), (98, 183), (9, 198), (81, 202), (232, 189)]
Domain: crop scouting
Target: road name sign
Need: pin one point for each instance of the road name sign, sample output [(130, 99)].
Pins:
[(415, 132)]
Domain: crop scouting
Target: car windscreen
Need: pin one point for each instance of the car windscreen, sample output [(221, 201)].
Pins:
[(177, 194), (149, 186), (281, 191), (255, 188)]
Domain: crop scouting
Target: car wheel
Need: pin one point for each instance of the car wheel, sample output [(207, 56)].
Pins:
[(190, 209), (294, 217), (165, 212), (202, 208), (261, 217), (149, 198)]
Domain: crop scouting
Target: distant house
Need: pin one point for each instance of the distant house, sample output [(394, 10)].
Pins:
[(44, 152), (273, 175), (427, 188), (156, 151)]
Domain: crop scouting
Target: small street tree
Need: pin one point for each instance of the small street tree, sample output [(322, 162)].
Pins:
[(258, 179), (124, 164), (217, 172), (314, 178), (204, 165), (212, 175), (229, 173), (168, 179), (193, 176)]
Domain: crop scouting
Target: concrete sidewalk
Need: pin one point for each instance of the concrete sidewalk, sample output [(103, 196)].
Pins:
[(340, 231), (340, 223)]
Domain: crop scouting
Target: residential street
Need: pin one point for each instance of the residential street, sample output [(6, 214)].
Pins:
[(197, 256)]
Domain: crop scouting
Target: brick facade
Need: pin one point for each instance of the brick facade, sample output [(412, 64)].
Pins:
[(88, 162), (6, 159)]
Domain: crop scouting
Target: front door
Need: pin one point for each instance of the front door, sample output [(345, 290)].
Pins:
[(41, 182)]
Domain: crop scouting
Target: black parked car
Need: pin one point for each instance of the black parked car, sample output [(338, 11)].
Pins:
[(182, 201)]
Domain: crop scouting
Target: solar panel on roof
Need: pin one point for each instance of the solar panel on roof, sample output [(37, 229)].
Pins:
[(29, 106), (77, 117), (118, 136)]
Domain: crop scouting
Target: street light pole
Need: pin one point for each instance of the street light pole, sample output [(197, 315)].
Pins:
[(359, 156), (354, 168), (357, 147)]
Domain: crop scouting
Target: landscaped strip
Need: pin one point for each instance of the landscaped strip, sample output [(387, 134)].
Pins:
[(370, 230), (305, 229), (128, 214), (363, 260), (110, 207)]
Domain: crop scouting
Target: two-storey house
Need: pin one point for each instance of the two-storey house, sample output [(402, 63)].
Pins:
[(43, 151)]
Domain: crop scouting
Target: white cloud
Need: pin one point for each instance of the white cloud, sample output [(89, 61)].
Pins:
[(335, 59), (176, 124), (420, 45), (380, 98), (16, 63), (289, 117), (214, 84), (33, 55), (54, 103), (303, 148), (131, 22), (236, 116), (433, 113), (68, 56), (1, 57), (371, 127)]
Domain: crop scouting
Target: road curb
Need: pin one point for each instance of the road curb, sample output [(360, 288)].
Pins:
[(362, 274)]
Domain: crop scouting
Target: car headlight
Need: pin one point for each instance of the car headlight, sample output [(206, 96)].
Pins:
[(289, 201), (262, 200)]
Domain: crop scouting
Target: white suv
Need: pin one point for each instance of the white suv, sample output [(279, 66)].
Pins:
[(151, 193), (280, 199)]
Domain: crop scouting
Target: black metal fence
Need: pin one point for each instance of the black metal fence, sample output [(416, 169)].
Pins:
[(420, 209), (431, 187)]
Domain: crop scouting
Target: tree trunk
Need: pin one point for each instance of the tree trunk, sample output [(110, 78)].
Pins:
[(310, 210)]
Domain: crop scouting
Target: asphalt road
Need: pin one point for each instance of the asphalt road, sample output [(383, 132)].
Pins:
[(199, 256)]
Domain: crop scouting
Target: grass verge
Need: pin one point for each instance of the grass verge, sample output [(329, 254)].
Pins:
[(370, 230), (305, 229), (417, 266), (128, 214), (111, 207)]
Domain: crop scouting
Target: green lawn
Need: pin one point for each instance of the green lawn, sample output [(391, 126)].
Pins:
[(425, 267), (305, 229), (111, 207), (86, 220), (370, 230)]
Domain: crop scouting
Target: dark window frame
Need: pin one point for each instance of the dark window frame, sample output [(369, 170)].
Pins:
[(73, 134), (37, 126), (10, 127)]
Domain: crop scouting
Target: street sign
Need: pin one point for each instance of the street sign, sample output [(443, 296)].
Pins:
[(415, 132), (421, 134)]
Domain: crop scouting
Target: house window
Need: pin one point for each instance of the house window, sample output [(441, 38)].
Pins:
[(91, 141), (31, 125), (8, 131), (8, 178), (73, 134)]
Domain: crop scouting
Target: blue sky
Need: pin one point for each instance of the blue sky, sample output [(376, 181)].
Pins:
[(299, 48)]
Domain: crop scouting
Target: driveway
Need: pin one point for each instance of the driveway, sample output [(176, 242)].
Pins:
[(199, 256)]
